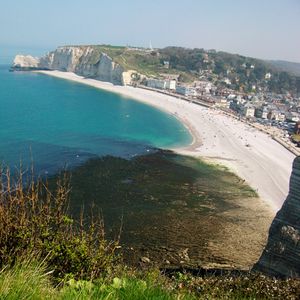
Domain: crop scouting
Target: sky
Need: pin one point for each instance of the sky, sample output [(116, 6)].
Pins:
[(267, 29)]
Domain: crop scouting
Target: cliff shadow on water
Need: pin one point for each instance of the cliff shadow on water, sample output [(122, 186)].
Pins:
[(175, 210)]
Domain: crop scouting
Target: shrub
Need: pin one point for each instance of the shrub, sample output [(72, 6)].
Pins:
[(34, 219)]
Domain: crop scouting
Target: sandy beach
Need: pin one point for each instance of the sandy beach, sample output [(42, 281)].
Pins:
[(253, 155)]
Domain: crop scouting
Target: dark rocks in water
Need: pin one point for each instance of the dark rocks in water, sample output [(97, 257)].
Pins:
[(19, 68), (167, 203), (281, 256)]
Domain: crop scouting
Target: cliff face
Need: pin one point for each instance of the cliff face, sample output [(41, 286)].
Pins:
[(82, 60), (281, 256), (26, 62)]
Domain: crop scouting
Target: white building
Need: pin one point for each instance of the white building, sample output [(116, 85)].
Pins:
[(276, 115), (203, 87), (156, 83), (221, 102), (166, 64), (227, 81), (262, 112), (161, 84), (231, 96), (248, 110), (171, 84), (186, 90), (293, 116), (268, 76)]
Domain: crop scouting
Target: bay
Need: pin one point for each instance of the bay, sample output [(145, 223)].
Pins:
[(55, 123)]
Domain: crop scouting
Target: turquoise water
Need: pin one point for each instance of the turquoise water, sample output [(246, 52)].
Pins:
[(55, 122)]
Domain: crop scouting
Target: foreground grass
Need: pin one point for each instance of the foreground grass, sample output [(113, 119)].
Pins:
[(26, 281), (31, 280)]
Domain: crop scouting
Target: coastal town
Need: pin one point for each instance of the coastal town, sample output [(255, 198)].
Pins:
[(275, 114), (250, 90), (218, 107)]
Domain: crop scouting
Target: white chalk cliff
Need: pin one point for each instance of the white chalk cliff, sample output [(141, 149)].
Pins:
[(281, 256), (25, 62), (83, 60)]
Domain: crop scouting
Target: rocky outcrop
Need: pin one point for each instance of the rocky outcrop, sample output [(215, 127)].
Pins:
[(281, 256), (25, 62), (86, 61)]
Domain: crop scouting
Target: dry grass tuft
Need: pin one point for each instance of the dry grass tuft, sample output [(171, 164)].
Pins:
[(34, 219)]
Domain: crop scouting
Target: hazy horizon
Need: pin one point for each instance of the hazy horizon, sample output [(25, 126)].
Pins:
[(266, 30)]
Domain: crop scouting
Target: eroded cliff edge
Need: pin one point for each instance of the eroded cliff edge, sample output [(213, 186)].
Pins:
[(281, 256), (86, 61)]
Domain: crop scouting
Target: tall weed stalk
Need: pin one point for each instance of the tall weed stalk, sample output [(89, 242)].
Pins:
[(35, 219)]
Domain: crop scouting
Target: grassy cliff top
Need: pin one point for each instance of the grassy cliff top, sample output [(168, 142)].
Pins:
[(144, 61), (194, 64)]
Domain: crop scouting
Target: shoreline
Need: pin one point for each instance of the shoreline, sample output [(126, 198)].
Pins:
[(116, 89), (253, 155)]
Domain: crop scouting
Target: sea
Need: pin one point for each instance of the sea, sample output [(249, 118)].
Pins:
[(51, 123)]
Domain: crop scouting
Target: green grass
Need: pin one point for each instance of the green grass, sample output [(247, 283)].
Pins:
[(26, 280), (31, 280), (141, 61), (125, 288)]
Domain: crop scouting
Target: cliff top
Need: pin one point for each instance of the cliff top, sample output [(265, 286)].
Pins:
[(223, 69), (243, 72)]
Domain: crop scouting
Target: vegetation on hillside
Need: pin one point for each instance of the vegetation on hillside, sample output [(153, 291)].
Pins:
[(34, 221), (286, 66), (244, 73), (146, 63)]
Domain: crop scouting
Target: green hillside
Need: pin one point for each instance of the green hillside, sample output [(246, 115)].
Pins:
[(286, 66), (244, 73)]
